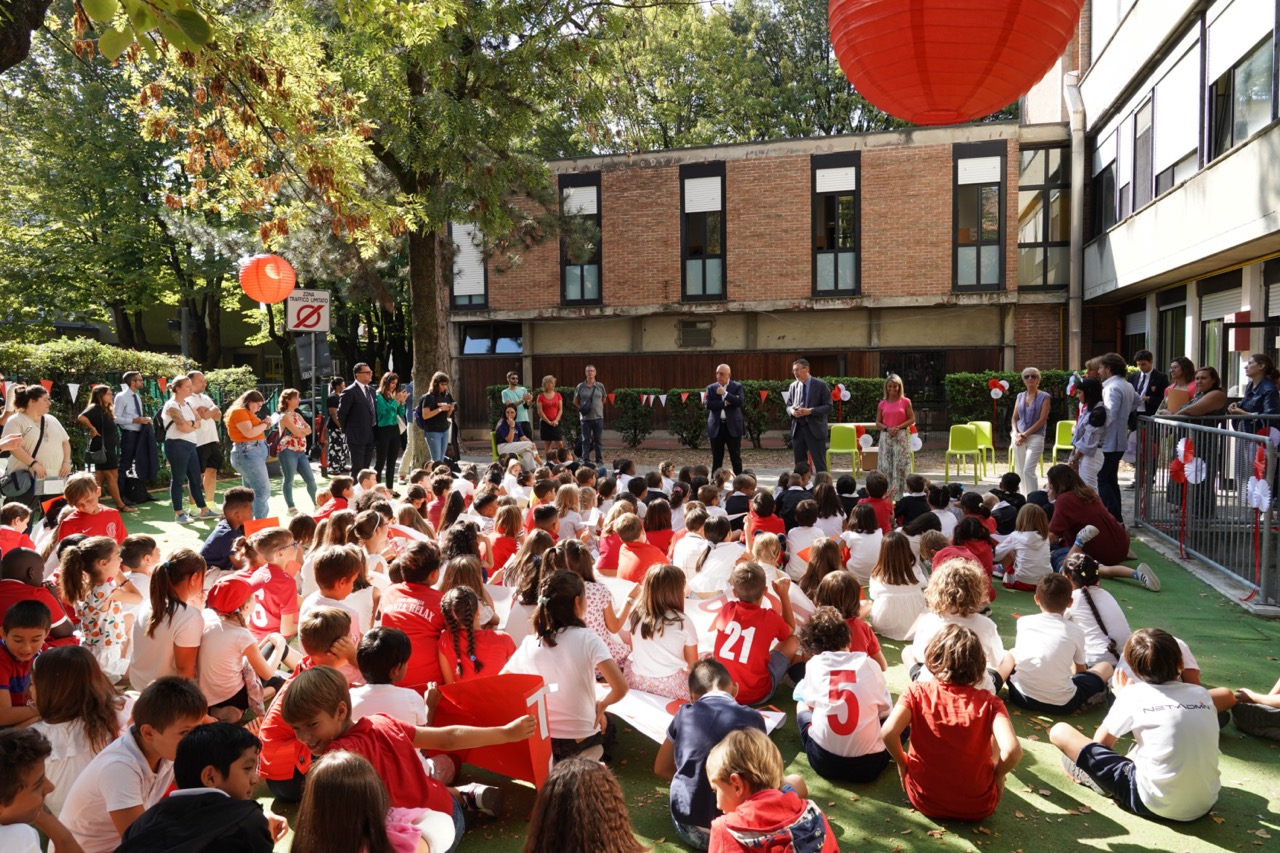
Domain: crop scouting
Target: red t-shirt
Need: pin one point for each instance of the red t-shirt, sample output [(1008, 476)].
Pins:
[(610, 546), (1070, 515), (744, 635), (950, 774), (493, 650), (10, 539), (864, 639), (330, 507), (503, 549), (884, 511), (275, 595), (973, 552), (766, 524), (104, 522), (635, 558), (388, 744), (550, 405), (282, 753), (15, 677), (415, 609), (435, 509), (12, 591), (660, 539)]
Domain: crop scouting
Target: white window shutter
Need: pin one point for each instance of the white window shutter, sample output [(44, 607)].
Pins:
[(1104, 154), (468, 261), (978, 170), (701, 195), (1177, 111), (1135, 324), (1215, 306), (581, 201), (1239, 26), (836, 180)]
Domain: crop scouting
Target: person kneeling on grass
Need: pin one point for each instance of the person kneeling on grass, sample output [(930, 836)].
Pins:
[(1172, 771)]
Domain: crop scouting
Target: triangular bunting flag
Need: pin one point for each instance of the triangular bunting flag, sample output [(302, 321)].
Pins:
[(764, 395), (48, 384), (74, 388), (704, 398), (684, 396), (661, 397), (2, 389), (611, 399), (164, 385), (653, 399), (254, 525), (644, 399)]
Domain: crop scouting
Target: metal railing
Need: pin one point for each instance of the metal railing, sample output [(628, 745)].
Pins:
[(1209, 490)]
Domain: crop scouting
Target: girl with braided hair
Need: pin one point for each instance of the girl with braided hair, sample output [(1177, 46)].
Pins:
[(1095, 610), (469, 649)]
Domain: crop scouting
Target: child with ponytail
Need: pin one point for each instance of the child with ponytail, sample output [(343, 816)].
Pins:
[(664, 642), (370, 533), (601, 617), (92, 583), (1106, 629), (167, 633), (564, 651), (469, 649)]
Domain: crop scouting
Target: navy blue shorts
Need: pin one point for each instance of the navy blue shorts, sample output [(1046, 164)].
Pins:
[(1115, 775), (1087, 684)]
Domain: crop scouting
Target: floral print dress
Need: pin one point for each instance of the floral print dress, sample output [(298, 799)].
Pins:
[(102, 628)]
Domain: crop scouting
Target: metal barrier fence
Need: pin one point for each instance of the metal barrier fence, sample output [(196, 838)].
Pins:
[(1209, 491)]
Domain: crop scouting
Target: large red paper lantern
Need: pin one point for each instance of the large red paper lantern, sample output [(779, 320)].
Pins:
[(267, 278), (948, 61)]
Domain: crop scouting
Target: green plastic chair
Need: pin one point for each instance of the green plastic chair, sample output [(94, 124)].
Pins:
[(962, 442), (986, 441), (1062, 438), (493, 444), (844, 439)]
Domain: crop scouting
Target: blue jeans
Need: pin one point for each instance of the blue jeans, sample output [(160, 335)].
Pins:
[(292, 461), (249, 458), (697, 837), (593, 436), (184, 468), (436, 443)]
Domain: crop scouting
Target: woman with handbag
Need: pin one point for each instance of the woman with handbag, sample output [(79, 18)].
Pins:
[(249, 448), (293, 447), (181, 426), (103, 452), (390, 422), (45, 453)]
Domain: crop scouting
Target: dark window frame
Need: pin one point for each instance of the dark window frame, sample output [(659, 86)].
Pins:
[(714, 169), (1061, 184), (839, 160), (493, 329), (454, 303), (964, 151), (1219, 135), (576, 180)]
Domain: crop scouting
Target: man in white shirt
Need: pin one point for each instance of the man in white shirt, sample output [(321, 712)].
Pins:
[(130, 418), (1119, 398), (208, 447)]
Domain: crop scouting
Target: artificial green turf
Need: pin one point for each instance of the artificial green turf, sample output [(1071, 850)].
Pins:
[(1040, 810)]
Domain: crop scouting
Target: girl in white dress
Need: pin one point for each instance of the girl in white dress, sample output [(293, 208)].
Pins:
[(897, 593)]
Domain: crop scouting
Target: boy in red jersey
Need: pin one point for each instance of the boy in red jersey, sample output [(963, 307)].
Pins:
[(745, 634)]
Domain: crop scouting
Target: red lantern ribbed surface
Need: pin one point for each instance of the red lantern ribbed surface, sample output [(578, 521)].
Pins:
[(267, 278), (948, 61)]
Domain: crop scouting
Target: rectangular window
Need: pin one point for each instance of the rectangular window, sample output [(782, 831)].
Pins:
[(702, 232), (470, 277), (580, 239), (1044, 216), (1143, 151), (1240, 100), (836, 220), (1173, 333), (978, 213), (694, 333), (492, 339)]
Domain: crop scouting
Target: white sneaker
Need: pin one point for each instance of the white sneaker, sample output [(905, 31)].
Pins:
[(1146, 577), (1086, 533)]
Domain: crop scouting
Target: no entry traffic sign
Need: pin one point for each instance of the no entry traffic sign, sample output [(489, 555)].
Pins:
[(307, 311)]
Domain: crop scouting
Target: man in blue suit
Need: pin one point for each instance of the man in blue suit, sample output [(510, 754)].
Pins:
[(724, 420), (808, 404), (357, 414)]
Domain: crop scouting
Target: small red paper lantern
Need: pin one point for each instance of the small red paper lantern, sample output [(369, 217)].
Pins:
[(267, 278), (946, 62)]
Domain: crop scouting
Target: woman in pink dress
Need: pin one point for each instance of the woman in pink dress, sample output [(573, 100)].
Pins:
[(894, 418)]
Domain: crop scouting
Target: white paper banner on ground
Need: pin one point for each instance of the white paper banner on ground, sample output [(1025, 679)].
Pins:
[(652, 715)]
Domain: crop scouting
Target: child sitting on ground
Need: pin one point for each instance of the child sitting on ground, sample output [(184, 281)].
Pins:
[(342, 490), (23, 789), (1045, 669), (745, 770), (237, 508), (383, 658), (841, 700), (877, 488), (1106, 629), (225, 647), (15, 518), (22, 579), (962, 742), (413, 606), (216, 770), (940, 505), (897, 593), (913, 503), (139, 555), (92, 584), (88, 515), (1025, 552), (801, 536), (275, 591), (468, 649), (719, 555), (694, 731), (1172, 771), (956, 593), (581, 807), (26, 624), (135, 771), (863, 538), (635, 556), (664, 641), (762, 518), (746, 632), (841, 591)]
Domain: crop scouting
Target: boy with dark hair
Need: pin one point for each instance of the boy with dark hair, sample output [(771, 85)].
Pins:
[(738, 504), (383, 658), (23, 787), (1172, 771), (693, 733), (547, 518), (877, 487), (213, 810), (139, 555), (790, 498), (639, 489), (803, 533), (342, 490), (237, 508), (913, 503), (22, 579), (133, 772), (745, 634), (26, 624)]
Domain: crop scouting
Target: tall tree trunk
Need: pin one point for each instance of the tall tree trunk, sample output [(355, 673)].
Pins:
[(140, 332), (428, 306), (213, 322), (124, 329), (288, 353), (18, 18)]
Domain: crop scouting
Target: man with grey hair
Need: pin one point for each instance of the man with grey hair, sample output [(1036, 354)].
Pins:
[(589, 398), (725, 424)]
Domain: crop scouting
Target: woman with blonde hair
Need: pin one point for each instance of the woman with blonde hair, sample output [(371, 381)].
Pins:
[(894, 419), (293, 448)]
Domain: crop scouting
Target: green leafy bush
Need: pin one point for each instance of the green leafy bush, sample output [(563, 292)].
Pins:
[(632, 418), (969, 398), (687, 419)]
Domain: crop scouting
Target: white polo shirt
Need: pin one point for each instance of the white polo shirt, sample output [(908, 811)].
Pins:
[(117, 778)]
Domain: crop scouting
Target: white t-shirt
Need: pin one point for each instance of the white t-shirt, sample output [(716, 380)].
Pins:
[(663, 654), (462, 484), (173, 412), (152, 657), (72, 752), (143, 583), (1030, 555), (571, 525), (1095, 639), (831, 527), (519, 624), (1175, 755), (220, 664), (715, 572), (677, 518), (687, 551), (864, 552), (849, 697), (1046, 651), (207, 432), (931, 623), (117, 778), (570, 665), (50, 448), (799, 538), (20, 838), (401, 703), (948, 519), (319, 599)]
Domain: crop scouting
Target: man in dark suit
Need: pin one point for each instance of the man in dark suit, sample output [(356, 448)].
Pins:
[(808, 404), (1149, 384), (357, 414), (724, 420)]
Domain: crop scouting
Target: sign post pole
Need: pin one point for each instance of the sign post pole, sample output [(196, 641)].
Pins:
[(309, 311)]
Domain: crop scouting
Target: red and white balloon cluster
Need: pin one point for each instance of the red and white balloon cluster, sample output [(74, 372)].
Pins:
[(999, 387), (841, 393), (1258, 490)]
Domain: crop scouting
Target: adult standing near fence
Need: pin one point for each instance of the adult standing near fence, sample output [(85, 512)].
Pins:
[(1148, 386), (808, 403), (1260, 396), (725, 424), (208, 447), (46, 448), (523, 400), (389, 405), (1027, 433), (1119, 398), (550, 410), (358, 415), (249, 448), (292, 454), (336, 458), (894, 418), (181, 427), (104, 444), (589, 398), (435, 408), (133, 423)]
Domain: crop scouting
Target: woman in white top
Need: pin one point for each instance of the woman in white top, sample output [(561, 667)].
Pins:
[(863, 539), (168, 629), (45, 450), (181, 428)]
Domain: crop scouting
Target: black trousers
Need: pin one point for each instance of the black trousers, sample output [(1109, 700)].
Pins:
[(1109, 483), (719, 442), (128, 448), (386, 444), (361, 455), (804, 446)]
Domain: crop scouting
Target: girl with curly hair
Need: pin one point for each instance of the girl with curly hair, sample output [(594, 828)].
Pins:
[(956, 595), (581, 807)]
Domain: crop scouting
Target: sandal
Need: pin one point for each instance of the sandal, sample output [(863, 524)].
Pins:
[(128, 509)]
